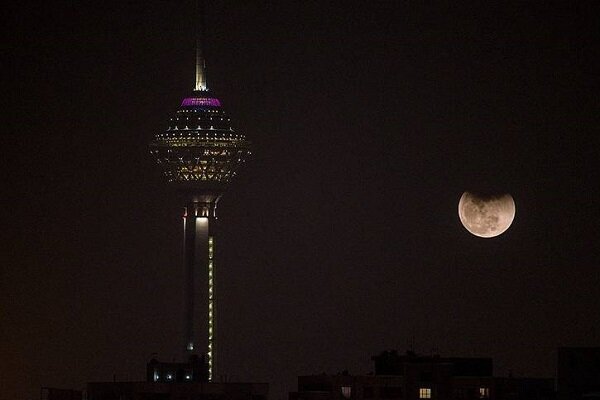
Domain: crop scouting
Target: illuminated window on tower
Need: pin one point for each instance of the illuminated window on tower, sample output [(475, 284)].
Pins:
[(484, 393), (424, 393)]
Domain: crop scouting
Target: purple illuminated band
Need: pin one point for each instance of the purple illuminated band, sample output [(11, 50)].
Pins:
[(201, 101)]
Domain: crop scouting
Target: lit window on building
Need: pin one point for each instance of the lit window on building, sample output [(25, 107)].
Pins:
[(347, 391), (424, 393), (484, 393)]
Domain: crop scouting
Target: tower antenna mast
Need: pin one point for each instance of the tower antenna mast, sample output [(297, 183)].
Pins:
[(200, 33)]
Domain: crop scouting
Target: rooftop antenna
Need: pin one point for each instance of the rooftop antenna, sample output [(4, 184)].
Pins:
[(200, 34)]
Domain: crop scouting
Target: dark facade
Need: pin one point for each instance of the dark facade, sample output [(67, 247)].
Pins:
[(166, 381), (410, 376), (195, 370), (176, 381), (578, 373), (60, 394), (176, 391)]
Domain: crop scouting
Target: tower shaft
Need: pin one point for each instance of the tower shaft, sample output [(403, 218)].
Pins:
[(200, 296)]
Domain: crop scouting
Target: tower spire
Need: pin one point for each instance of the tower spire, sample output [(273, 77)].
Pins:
[(200, 64)]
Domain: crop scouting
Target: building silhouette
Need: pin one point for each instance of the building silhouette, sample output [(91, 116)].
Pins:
[(578, 373), (47, 393), (410, 376), (176, 391), (172, 381), (194, 370)]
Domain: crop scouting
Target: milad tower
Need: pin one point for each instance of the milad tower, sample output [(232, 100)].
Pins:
[(199, 154)]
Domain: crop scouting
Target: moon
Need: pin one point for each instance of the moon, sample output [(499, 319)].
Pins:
[(486, 216)]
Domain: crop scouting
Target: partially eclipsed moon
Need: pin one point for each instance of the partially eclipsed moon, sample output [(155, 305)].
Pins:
[(486, 216)]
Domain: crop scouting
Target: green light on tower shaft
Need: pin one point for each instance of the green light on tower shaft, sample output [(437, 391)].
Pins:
[(211, 306)]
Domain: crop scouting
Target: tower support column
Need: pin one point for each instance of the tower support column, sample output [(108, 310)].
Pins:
[(199, 222)]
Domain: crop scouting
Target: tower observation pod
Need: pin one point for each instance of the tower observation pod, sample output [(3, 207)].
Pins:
[(200, 154)]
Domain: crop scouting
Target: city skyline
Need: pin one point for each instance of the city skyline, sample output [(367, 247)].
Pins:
[(369, 120)]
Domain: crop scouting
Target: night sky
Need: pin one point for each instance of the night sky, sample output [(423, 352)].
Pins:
[(340, 238)]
